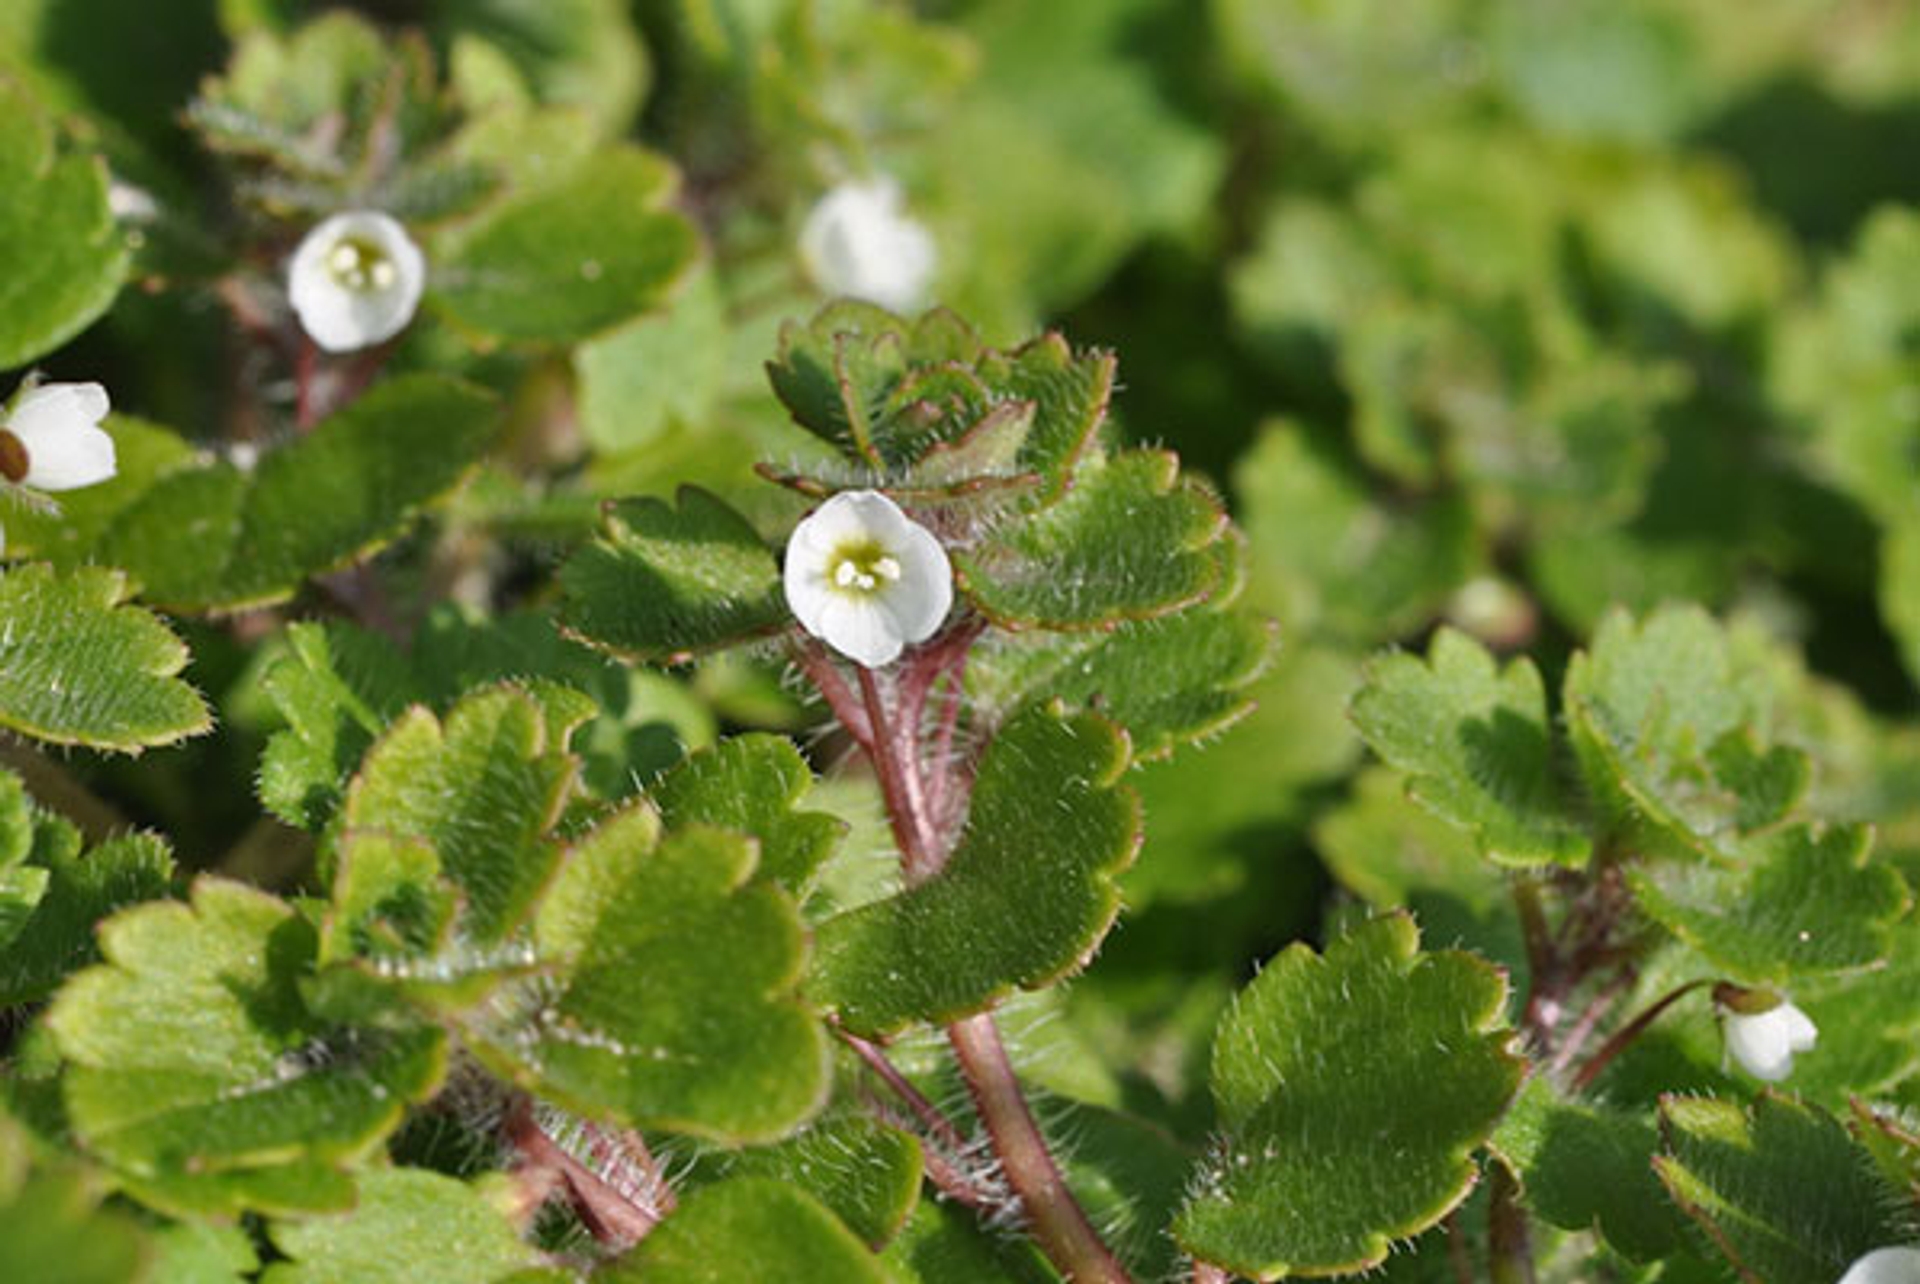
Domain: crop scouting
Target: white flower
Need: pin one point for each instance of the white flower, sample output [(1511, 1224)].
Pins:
[(859, 242), (1763, 1043), (866, 578), (356, 280), (1885, 1266), (52, 439)]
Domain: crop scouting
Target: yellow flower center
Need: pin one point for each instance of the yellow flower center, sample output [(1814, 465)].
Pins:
[(360, 265), (864, 567)]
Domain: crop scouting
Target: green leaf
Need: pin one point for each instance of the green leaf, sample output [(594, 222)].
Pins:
[(1801, 901), (1023, 900), (51, 1227), (655, 370), (78, 667), (924, 395), (582, 53), (57, 938), (677, 1008), (1326, 1064), (143, 453), (1782, 1191), (1169, 681), (410, 1226), (211, 537), (1330, 558), (942, 1244), (202, 1253), (573, 259), (338, 689), (750, 1228), (865, 1172), (62, 259), (198, 1073), (752, 784), (483, 790), (1587, 1166), (664, 582), (1668, 716), (1130, 541), (1477, 748)]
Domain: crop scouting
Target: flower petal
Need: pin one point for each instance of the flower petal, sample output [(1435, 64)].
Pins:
[(58, 425), (858, 242), (341, 318), (1885, 1266), (919, 602), (860, 629)]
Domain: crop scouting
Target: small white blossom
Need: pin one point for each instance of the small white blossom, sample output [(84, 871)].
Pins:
[(859, 242), (356, 280), (52, 439), (866, 578), (1885, 1266), (1763, 1043)]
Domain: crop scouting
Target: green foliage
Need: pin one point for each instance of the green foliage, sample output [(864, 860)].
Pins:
[(453, 1235), (62, 260), (79, 666), (204, 534), (751, 784), (50, 1225), (1474, 741), (1781, 1190), (572, 259), (665, 582), (1323, 1063), (1048, 831), (866, 1173), (677, 1009), (748, 1228), (199, 1073)]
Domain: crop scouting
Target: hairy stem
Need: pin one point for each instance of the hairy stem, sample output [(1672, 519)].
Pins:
[(609, 1216), (1208, 1273), (1509, 1239), (1056, 1219)]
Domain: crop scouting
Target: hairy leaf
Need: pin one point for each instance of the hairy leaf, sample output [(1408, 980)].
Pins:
[(750, 1228), (752, 784), (1324, 1065), (1129, 541), (1801, 901), (676, 1006), (200, 1075), (79, 667), (1023, 900), (666, 581), (1476, 746), (868, 1174), (1781, 1191)]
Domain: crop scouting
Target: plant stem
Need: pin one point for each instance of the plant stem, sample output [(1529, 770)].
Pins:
[(1208, 1273), (936, 1124), (611, 1217), (895, 760), (1058, 1223), (1509, 1242), (1624, 1037)]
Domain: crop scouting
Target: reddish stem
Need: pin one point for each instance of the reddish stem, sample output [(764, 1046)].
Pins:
[(895, 761), (1590, 1017), (1624, 1037), (609, 1216), (1058, 1222), (937, 1124), (1208, 1273), (825, 676)]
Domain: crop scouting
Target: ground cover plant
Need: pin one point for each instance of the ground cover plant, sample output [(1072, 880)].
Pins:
[(972, 643)]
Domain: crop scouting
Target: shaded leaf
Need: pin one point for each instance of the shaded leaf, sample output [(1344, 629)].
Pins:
[(573, 259), (750, 1228), (410, 1226), (866, 1173), (57, 937)]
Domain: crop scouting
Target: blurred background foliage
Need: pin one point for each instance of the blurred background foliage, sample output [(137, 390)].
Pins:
[(1490, 312)]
